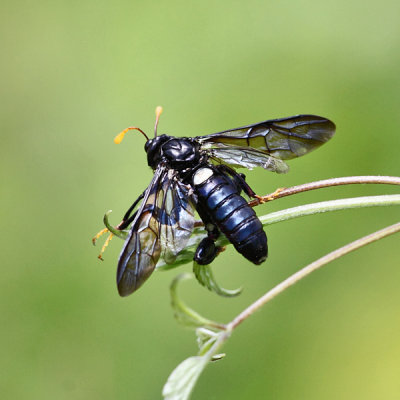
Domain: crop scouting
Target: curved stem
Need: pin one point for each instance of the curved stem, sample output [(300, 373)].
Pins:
[(331, 205), (347, 180), (309, 269)]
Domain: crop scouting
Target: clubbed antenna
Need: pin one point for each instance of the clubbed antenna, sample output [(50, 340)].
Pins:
[(120, 136), (159, 111)]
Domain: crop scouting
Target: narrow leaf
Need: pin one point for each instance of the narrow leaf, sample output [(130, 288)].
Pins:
[(184, 314), (121, 234), (204, 275)]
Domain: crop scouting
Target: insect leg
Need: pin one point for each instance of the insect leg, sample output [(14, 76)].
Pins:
[(126, 220), (126, 216), (239, 180), (270, 197), (103, 249), (206, 250)]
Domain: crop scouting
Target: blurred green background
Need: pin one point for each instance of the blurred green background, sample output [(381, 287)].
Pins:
[(74, 74)]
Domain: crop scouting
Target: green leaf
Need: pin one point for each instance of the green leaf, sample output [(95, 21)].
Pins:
[(205, 276), (204, 335), (183, 378), (218, 357), (205, 339), (184, 314), (121, 234)]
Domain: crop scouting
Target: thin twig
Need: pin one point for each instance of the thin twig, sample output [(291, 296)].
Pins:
[(348, 180), (309, 269)]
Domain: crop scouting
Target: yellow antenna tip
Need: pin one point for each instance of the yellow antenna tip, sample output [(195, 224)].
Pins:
[(159, 111), (120, 136)]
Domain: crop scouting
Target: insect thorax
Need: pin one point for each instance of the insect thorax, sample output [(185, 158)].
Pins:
[(178, 153)]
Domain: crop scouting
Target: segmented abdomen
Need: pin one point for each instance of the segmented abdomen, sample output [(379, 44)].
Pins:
[(232, 215)]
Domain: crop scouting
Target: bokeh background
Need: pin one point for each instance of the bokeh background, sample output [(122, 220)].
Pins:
[(74, 74)]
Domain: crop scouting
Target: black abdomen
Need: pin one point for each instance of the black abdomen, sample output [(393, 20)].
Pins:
[(220, 198)]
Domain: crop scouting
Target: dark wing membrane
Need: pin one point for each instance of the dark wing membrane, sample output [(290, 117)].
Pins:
[(142, 248), (269, 141), (162, 226)]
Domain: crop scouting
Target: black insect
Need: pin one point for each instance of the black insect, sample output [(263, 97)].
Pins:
[(191, 174)]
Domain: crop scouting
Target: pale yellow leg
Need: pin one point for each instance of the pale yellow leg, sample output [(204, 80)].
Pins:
[(270, 197), (103, 249), (94, 240)]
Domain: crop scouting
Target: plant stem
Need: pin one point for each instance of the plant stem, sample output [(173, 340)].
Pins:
[(347, 180), (309, 269), (331, 205)]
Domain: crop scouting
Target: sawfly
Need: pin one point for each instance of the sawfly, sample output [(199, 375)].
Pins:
[(198, 174)]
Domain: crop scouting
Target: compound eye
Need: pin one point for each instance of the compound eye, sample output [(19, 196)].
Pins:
[(147, 145)]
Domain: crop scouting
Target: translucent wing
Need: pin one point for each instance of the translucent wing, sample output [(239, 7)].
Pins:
[(267, 143), (162, 226), (142, 248), (246, 157), (176, 217)]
